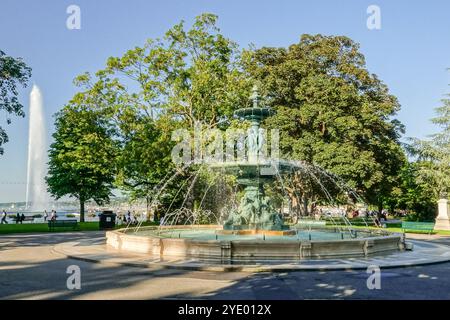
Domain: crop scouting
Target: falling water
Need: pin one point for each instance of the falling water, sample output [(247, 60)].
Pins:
[(37, 197)]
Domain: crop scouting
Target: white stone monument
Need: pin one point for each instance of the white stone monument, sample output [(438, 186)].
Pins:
[(443, 218)]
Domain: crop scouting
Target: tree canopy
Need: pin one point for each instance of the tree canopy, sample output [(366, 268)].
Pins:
[(186, 77), (434, 154), (13, 72), (331, 111), (81, 157)]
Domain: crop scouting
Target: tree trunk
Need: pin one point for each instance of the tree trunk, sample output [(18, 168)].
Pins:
[(147, 199), (295, 206), (392, 209), (380, 206), (305, 202), (81, 210)]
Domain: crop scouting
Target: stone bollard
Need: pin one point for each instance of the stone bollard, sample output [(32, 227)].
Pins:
[(443, 218), (305, 249), (225, 249)]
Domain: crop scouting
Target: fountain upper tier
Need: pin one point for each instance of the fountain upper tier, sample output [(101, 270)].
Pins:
[(256, 166), (254, 113), (251, 172), (255, 209)]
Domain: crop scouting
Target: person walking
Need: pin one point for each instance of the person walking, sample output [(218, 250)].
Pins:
[(45, 215), (17, 218), (22, 218), (4, 217)]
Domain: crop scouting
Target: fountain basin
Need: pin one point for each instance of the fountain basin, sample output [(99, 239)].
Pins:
[(202, 242), (246, 232)]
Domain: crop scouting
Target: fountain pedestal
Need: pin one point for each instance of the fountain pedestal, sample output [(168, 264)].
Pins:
[(443, 218), (255, 211)]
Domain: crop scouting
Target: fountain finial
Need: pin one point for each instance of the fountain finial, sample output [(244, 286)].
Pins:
[(255, 96), (257, 112)]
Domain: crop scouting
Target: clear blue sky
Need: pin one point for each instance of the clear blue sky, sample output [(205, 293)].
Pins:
[(410, 53)]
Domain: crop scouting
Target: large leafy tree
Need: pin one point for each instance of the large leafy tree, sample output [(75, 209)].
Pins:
[(189, 76), (82, 157), (411, 194), (434, 154), (331, 111), (13, 72), (144, 160)]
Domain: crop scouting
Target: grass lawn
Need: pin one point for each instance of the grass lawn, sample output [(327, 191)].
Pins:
[(43, 227), (93, 226), (440, 232)]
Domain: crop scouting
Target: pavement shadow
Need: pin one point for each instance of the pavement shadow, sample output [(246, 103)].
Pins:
[(12, 241), (47, 279)]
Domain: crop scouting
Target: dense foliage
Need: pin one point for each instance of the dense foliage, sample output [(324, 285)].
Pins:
[(82, 157), (331, 112), (434, 154), (13, 72)]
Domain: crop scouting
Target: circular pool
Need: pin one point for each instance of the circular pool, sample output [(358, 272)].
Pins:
[(208, 243)]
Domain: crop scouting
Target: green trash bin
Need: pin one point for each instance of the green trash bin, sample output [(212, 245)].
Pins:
[(107, 220)]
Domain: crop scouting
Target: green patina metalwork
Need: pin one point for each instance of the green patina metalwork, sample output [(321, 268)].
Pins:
[(255, 209)]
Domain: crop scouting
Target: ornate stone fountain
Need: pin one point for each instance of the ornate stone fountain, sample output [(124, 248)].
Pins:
[(255, 211), (254, 231)]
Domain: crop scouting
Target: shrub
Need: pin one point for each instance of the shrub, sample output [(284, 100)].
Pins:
[(427, 216)]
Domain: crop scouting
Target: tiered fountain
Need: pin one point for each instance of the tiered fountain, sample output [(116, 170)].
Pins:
[(255, 213), (254, 231)]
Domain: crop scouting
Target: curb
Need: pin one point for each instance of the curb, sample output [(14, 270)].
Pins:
[(247, 268)]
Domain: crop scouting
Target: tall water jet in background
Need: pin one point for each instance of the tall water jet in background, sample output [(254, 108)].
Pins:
[(37, 197)]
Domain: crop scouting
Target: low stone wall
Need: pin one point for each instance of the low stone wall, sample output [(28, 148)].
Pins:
[(251, 250)]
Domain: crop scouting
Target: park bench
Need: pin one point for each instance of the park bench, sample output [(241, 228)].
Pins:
[(72, 223), (418, 226), (27, 218)]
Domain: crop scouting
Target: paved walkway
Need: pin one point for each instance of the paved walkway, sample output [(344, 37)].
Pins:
[(95, 250), (31, 269)]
